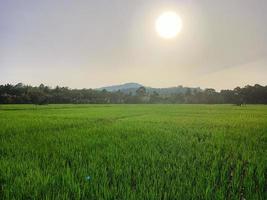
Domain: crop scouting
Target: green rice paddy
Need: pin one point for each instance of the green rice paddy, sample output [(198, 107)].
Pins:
[(133, 152)]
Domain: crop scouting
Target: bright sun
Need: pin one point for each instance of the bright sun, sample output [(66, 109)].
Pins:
[(168, 25)]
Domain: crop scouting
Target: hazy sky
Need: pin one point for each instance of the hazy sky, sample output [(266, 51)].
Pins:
[(93, 43)]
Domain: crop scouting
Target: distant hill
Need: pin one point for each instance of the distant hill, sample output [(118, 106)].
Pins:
[(132, 87), (123, 87)]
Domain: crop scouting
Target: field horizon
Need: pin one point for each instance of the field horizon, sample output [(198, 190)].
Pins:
[(133, 100)]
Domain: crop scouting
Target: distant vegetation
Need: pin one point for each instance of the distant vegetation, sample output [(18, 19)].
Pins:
[(25, 94)]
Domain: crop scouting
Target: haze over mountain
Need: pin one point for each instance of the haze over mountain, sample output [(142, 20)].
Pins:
[(92, 43)]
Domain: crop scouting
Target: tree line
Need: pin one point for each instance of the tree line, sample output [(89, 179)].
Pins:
[(26, 94)]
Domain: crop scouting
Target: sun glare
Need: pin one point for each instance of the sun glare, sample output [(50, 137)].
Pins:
[(168, 25)]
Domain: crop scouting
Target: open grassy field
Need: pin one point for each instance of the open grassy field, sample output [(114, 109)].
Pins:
[(133, 152)]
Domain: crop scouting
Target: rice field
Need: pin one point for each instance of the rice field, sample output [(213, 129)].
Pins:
[(133, 152)]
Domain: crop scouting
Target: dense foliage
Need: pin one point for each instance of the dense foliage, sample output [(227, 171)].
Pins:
[(24, 94), (133, 152)]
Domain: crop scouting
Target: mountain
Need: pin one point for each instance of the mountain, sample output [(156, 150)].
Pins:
[(123, 87), (132, 87)]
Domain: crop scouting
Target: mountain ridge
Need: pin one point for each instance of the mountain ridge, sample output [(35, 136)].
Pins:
[(124, 86), (132, 87)]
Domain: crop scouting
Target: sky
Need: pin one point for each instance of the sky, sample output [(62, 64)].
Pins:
[(95, 43)]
